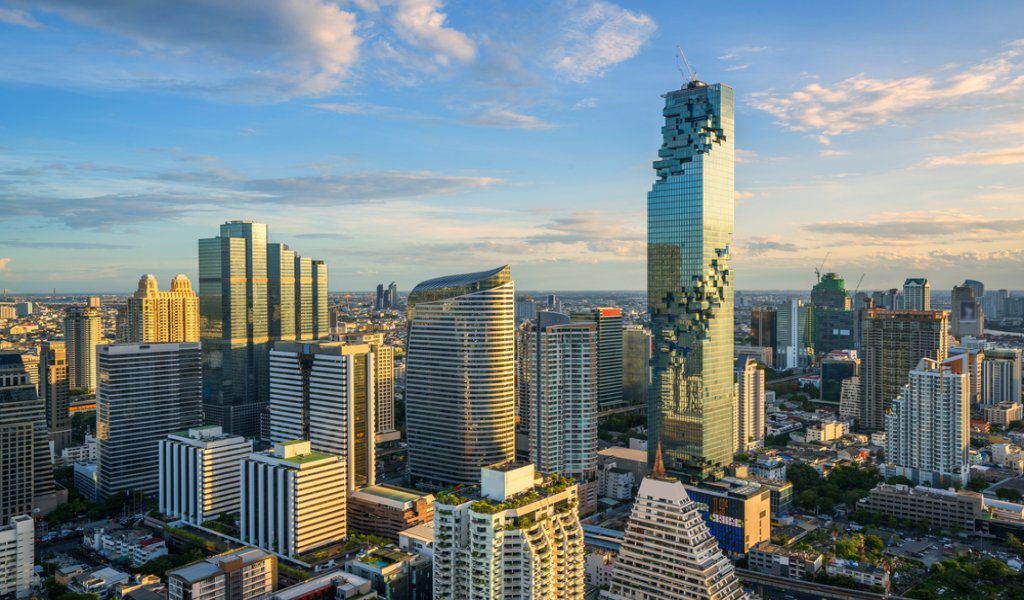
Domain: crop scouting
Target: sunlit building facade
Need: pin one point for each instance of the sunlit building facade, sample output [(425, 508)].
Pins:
[(155, 316), (689, 281)]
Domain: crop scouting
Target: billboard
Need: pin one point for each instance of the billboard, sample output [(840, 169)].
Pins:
[(969, 311)]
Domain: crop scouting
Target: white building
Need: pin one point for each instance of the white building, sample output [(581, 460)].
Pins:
[(293, 500), (324, 392), (137, 547), (827, 431), (199, 473), (17, 557), (87, 452), (750, 408), (917, 294), (928, 428), (1001, 376), (242, 574), (849, 398), (521, 538), (791, 329)]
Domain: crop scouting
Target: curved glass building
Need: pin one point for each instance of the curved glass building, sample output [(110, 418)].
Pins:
[(460, 381)]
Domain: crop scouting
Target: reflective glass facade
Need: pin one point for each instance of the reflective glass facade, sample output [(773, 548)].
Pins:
[(689, 283)]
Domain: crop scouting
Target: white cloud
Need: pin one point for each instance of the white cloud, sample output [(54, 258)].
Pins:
[(353, 108), (506, 118), (860, 101), (740, 67), (745, 156), (422, 24), (598, 37), (23, 18), (1013, 155), (739, 195), (4, 262), (586, 103), (832, 152), (741, 51)]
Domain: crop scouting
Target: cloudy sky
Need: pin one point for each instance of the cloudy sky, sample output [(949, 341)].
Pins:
[(405, 139)]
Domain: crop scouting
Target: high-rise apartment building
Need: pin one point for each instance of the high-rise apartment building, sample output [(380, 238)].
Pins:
[(794, 334), (520, 538), (526, 375), (563, 434), (26, 476), (762, 326), (17, 557), (609, 353), (146, 392), (973, 367), (668, 553), (54, 389), (293, 499), (83, 329), (323, 392), (917, 294), (636, 365), (251, 293), (750, 409), (966, 311), (153, 316), (894, 343), (460, 376), (1001, 376), (242, 574), (927, 433), (383, 379), (849, 399), (199, 473), (689, 282)]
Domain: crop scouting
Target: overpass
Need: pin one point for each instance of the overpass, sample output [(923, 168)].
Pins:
[(827, 592)]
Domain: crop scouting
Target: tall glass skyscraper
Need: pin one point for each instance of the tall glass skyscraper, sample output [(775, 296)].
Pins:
[(689, 283), (460, 380)]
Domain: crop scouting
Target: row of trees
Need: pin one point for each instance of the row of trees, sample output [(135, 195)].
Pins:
[(844, 485)]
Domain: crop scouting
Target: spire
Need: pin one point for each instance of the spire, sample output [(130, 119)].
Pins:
[(658, 470)]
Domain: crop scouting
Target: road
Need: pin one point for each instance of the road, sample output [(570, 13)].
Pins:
[(798, 588)]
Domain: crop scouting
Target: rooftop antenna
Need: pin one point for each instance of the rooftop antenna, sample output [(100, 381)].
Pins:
[(681, 62)]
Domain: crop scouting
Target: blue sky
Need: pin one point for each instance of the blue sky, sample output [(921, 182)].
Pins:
[(405, 139)]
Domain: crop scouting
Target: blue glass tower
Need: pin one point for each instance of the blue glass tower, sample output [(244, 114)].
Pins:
[(689, 283)]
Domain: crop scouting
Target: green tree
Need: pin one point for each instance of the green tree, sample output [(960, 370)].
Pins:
[(802, 476), (1009, 494), (977, 485)]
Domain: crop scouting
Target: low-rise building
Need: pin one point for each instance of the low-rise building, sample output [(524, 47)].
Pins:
[(827, 431), (137, 547), (939, 508), (633, 460), (768, 467), (737, 512), (334, 585), (85, 453), (17, 557), (394, 573), (87, 480), (878, 438), (418, 539), (780, 495), (615, 483), (1010, 456), (863, 574), (238, 574), (386, 510), (101, 582), (600, 567), (1004, 413), (783, 562)]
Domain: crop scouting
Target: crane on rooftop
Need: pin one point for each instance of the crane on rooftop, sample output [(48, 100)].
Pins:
[(681, 62), (817, 270)]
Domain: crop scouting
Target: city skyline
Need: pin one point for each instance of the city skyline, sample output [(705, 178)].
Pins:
[(120, 147)]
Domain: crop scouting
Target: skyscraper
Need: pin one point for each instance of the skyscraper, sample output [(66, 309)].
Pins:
[(146, 392), (894, 342), (199, 473), (54, 389), (1001, 376), (250, 294), (153, 316), (563, 432), (750, 409), (636, 365), (379, 304), (609, 353), (762, 326), (17, 558), (967, 313), (392, 295), (689, 282), (26, 476), (383, 379), (917, 294), (324, 392), (833, 317), (668, 552), (927, 434), (460, 380), (83, 329), (794, 332)]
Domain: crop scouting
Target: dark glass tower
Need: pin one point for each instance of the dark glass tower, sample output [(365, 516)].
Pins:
[(689, 283)]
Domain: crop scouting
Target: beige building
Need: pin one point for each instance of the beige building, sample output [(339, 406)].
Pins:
[(939, 508), (237, 575), (827, 431), (783, 562), (55, 392), (384, 380), (155, 316), (83, 330), (1004, 413), (520, 538)]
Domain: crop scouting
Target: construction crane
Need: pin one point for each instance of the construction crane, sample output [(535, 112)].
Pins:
[(682, 62), (859, 281), (817, 271)]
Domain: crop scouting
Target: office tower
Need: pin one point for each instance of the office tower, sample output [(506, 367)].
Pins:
[(54, 389), (526, 310), (379, 303), (830, 292), (894, 342), (392, 296), (236, 575), (323, 392), (1001, 376), (526, 375), (689, 282), (966, 311), (891, 299), (849, 399), (26, 476), (833, 317), (609, 353), (973, 367), (750, 410), (281, 292), (525, 540), (152, 316), (17, 557), (146, 392), (995, 303), (554, 303), (794, 332), (835, 369), (460, 376), (927, 434), (636, 365), (199, 473), (977, 287), (82, 331), (762, 327), (293, 499), (245, 303), (735, 511), (563, 432), (30, 360), (668, 553), (917, 294), (383, 379)]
